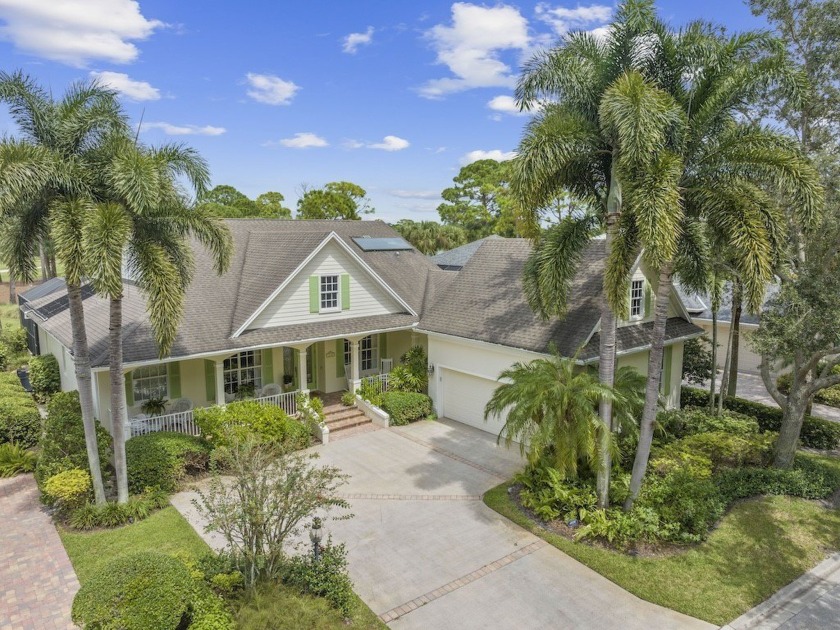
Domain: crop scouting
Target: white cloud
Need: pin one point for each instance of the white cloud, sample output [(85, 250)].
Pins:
[(470, 47), (354, 40), (416, 194), (303, 140), (184, 130), (494, 154), (128, 87), (75, 32), (390, 143), (352, 144), (270, 89), (505, 104), (563, 20)]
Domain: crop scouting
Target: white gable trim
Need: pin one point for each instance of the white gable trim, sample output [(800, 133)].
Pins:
[(331, 237)]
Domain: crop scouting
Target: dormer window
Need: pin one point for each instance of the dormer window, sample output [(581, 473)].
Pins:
[(637, 296), (330, 300)]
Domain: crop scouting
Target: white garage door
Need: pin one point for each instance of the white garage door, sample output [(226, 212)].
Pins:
[(464, 397)]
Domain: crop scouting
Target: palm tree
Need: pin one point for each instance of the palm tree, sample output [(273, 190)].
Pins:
[(144, 227), (551, 410), (46, 179), (430, 237)]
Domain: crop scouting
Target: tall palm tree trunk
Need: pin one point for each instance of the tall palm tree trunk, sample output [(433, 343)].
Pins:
[(713, 381), (117, 392), (735, 327), (724, 379), (654, 380), (84, 383), (12, 291)]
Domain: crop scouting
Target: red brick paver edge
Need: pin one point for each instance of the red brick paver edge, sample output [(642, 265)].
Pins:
[(37, 581), (414, 604), (451, 455)]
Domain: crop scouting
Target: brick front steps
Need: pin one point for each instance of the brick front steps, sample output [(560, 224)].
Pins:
[(345, 421)]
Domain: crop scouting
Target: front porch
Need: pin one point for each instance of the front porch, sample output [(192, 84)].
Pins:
[(271, 375)]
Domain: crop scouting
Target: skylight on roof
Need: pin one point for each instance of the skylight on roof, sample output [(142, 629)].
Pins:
[(388, 244)]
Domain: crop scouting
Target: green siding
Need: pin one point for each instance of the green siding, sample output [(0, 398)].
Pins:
[(174, 370), (129, 390), (267, 366), (666, 370), (314, 301), (345, 292), (210, 380), (339, 358), (383, 346)]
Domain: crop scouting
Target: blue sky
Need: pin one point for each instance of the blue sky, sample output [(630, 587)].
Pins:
[(394, 96)]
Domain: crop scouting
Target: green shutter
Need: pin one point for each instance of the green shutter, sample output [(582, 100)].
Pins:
[(174, 380), (383, 346), (648, 299), (129, 390), (210, 380), (666, 371), (314, 302), (339, 358), (345, 292), (296, 369), (267, 366)]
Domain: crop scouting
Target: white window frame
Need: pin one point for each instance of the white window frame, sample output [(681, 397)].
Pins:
[(235, 376), (369, 355), (332, 295), (150, 381), (637, 298)]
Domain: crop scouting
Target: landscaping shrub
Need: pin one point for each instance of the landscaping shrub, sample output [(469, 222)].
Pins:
[(14, 460), (44, 376), (275, 606), (219, 425), (20, 421), (828, 396), (816, 432), (4, 358), (687, 506), (15, 339), (136, 591), (68, 489), (138, 507), (550, 496), (163, 459), (724, 450), (371, 393), (62, 445), (348, 399), (679, 423), (405, 407), (310, 412), (326, 577)]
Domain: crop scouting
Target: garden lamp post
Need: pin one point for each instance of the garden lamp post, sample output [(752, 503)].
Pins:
[(316, 533)]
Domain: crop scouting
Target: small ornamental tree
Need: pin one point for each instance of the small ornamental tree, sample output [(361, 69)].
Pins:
[(272, 492)]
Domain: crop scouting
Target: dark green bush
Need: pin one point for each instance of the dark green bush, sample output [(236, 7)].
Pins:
[(137, 508), (725, 450), (162, 460), (809, 478), (679, 423), (44, 376), (816, 432), (687, 506), (20, 421), (4, 358), (15, 339), (267, 422), (136, 591), (63, 442), (326, 577), (405, 407)]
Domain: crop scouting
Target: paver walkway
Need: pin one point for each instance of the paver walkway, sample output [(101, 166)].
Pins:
[(425, 552), (37, 581)]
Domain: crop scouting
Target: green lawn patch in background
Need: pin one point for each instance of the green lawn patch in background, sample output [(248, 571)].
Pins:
[(761, 545)]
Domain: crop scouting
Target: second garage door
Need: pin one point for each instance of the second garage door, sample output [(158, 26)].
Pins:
[(464, 398)]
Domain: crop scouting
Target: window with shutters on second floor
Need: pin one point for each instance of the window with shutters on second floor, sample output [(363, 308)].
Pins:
[(330, 295)]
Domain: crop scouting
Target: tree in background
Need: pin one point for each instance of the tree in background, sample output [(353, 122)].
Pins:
[(480, 201), (227, 202), (430, 237), (336, 200), (799, 326)]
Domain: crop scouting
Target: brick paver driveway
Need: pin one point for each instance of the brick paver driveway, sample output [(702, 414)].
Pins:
[(37, 581), (425, 552)]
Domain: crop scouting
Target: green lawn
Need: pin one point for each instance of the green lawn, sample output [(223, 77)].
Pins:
[(760, 546), (167, 531)]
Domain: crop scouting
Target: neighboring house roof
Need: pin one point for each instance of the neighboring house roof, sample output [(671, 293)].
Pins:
[(486, 302), (701, 304), (265, 253), (455, 259)]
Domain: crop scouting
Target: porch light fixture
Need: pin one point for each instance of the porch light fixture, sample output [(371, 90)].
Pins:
[(431, 368), (316, 534)]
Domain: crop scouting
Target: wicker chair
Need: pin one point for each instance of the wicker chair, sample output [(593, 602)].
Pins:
[(272, 389)]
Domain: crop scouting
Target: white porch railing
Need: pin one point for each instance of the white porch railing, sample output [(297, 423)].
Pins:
[(286, 401), (379, 382), (184, 422), (180, 422)]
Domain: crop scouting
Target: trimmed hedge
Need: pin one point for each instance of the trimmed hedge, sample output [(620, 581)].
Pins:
[(44, 376), (405, 407), (136, 591), (63, 441), (20, 421), (267, 422), (816, 432), (162, 460), (69, 489)]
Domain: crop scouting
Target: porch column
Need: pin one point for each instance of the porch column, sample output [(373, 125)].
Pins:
[(220, 382), (303, 383), (354, 363)]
